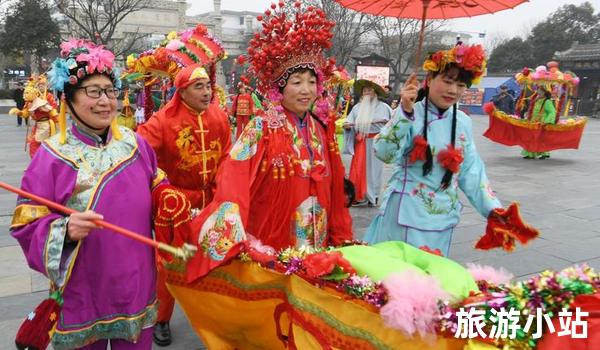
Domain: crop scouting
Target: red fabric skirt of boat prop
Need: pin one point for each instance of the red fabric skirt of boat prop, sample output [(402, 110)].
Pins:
[(534, 137)]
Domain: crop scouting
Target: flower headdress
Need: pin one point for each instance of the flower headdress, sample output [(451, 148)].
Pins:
[(78, 59), (290, 39), (470, 58)]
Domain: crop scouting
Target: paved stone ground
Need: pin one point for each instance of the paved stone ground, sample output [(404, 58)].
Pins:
[(560, 196)]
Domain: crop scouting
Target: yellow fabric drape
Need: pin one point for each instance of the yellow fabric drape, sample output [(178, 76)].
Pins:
[(234, 307)]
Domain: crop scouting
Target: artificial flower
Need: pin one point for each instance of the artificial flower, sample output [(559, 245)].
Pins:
[(98, 59), (451, 158), (323, 263), (67, 46), (430, 66), (419, 150), (58, 75)]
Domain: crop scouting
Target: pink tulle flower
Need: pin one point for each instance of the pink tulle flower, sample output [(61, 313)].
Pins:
[(489, 274), (67, 46), (98, 59), (412, 303)]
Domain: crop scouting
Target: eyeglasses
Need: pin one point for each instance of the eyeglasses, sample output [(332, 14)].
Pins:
[(96, 92)]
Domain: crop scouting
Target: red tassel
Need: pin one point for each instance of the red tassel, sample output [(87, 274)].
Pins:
[(419, 150), (451, 158), (504, 227), (37, 329)]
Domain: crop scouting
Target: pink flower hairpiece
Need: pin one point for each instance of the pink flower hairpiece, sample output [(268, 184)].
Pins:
[(67, 46), (98, 59)]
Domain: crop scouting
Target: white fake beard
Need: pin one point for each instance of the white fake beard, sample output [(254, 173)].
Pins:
[(366, 112)]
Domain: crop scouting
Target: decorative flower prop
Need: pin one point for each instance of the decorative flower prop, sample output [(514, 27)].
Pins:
[(290, 39), (416, 304), (328, 266), (470, 58), (549, 292)]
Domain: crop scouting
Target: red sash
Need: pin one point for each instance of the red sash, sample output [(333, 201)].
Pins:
[(358, 167)]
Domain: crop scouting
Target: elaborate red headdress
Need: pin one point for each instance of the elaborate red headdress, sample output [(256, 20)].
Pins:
[(181, 49), (290, 39)]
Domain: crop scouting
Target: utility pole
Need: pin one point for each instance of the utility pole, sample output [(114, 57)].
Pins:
[(218, 32)]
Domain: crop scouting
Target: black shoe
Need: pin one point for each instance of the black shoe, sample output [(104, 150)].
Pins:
[(545, 156), (361, 203), (162, 334), (528, 157)]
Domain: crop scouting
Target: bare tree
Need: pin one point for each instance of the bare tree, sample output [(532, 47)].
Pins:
[(494, 40), (398, 39), (97, 20), (350, 28)]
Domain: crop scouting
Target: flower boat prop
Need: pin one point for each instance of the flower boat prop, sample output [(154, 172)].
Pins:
[(387, 296), (511, 130), (523, 130)]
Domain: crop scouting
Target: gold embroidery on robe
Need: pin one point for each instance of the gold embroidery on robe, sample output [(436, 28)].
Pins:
[(27, 213)]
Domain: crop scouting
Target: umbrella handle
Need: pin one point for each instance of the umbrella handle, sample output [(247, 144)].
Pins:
[(421, 36)]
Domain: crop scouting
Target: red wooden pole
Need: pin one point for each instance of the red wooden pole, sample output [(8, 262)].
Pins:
[(179, 252)]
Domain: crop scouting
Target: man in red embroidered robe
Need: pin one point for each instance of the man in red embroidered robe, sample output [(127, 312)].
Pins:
[(241, 109), (190, 136)]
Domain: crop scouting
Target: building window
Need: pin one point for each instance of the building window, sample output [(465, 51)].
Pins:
[(241, 20)]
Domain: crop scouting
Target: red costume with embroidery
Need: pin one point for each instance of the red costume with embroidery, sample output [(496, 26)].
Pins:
[(189, 147), (242, 108), (283, 182)]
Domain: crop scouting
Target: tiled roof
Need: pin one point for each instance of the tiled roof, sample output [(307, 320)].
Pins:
[(580, 52)]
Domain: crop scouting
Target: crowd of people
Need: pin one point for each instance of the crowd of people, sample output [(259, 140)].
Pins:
[(275, 177)]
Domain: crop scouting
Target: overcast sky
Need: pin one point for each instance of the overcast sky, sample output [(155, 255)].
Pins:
[(506, 23)]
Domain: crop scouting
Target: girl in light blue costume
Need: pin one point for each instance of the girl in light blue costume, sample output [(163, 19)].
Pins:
[(420, 204)]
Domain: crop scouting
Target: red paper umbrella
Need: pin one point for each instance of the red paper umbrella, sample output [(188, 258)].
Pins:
[(429, 9)]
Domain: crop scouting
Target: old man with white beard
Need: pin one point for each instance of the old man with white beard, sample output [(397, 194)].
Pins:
[(363, 123)]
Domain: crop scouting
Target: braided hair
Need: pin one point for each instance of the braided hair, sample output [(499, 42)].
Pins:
[(454, 72)]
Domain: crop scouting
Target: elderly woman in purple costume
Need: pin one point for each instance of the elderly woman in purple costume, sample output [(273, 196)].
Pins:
[(105, 172)]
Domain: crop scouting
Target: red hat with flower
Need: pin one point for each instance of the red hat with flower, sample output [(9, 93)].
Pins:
[(194, 46), (291, 38), (181, 49)]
